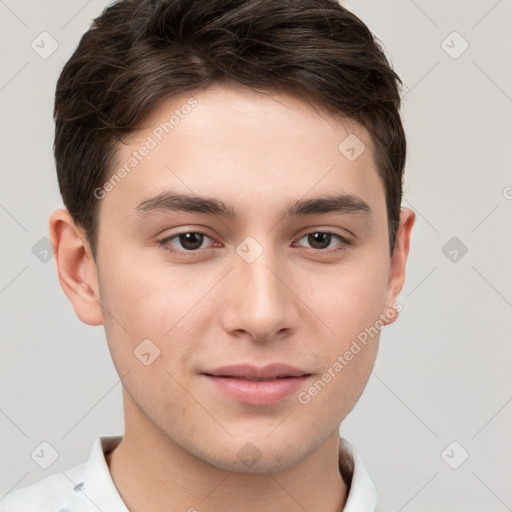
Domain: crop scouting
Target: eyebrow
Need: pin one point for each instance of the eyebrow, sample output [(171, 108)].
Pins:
[(174, 202)]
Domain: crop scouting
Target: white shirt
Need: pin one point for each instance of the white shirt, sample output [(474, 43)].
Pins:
[(88, 487)]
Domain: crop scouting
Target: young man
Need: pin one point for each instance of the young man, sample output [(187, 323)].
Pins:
[(232, 173)]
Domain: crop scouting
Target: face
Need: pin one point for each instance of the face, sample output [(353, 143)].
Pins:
[(288, 264)]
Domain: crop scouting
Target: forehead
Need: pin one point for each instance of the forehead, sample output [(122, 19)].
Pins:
[(245, 148)]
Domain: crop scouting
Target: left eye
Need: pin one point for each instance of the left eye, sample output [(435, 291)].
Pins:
[(321, 240)]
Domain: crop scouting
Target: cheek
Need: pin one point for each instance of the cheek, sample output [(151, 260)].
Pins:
[(154, 302), (141, 293), (352, 306), (351, 300)]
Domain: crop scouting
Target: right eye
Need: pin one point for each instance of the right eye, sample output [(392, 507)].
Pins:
[(189, 242)]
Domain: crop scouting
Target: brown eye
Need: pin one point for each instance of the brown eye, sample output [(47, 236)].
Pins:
[(321, 240), (189, 241)]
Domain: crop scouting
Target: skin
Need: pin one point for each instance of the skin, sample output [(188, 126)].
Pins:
[(294, 304)]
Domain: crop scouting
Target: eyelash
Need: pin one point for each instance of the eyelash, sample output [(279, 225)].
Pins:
[(164, 243)]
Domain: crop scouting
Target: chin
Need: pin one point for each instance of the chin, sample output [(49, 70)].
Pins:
[(250, 454), (250, 459)]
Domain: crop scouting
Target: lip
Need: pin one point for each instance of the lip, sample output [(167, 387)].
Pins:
[(257, 386)]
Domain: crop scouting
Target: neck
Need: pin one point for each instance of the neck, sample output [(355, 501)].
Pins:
[(152, 472)]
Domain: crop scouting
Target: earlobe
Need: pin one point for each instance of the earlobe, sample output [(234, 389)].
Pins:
[(398, 263), (76, 268)]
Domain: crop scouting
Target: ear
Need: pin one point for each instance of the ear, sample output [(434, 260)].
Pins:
[(398, 261), (76, 268)]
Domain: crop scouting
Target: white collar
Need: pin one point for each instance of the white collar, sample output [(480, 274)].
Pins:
[(362, 496)]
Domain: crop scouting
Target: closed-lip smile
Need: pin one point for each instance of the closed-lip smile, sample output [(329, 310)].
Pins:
[(257, 386)]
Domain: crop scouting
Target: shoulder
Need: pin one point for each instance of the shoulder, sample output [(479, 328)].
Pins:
[(59, 492)]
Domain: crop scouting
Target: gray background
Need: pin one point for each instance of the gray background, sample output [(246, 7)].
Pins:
[(443, 371)]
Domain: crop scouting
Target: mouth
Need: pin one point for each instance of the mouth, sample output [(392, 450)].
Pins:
[(249, 372), (257, 386), (248, 378)]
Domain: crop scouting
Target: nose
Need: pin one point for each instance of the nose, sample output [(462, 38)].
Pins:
[(260, 302)]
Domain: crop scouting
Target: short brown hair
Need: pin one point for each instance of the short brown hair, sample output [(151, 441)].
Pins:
[(138, 53)]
